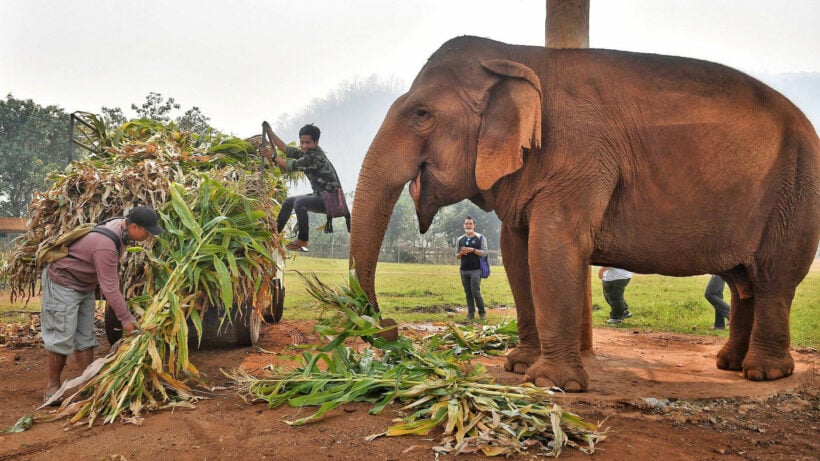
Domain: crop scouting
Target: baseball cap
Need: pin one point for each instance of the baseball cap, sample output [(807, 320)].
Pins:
[(147, 218)]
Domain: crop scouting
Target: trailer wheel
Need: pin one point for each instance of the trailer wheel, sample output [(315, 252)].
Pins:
[(279, 306), (247, 329), (113, 327), (241, 329), (274, 314)]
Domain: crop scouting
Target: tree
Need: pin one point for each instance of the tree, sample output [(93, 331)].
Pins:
[(33, 141), (156, 107), (193, 120), (113, 116)]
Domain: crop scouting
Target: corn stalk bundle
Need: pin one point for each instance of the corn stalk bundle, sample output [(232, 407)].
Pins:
[(443, 391), (133, 165)]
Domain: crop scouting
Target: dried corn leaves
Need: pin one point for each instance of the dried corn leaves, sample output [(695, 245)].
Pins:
[(440, 390), (217, 208)]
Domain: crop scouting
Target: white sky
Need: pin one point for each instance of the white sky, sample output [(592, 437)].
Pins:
[(244, 61)]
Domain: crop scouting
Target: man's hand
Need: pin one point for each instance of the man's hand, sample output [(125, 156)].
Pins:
[(271, 155), (129, 329), (281, 163)]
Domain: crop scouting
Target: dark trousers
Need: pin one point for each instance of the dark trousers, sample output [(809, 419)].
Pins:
[(300, 204), (471, 281), (714, 294), (614, 295)]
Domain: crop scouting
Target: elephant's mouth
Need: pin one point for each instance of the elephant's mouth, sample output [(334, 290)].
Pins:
[(415, 194), (415, 190), (425, 210)]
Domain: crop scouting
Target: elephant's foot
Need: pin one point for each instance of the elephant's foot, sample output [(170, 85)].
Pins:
[(570, 377), (391, 334), (767, 366), (520, 358), (731, 357)]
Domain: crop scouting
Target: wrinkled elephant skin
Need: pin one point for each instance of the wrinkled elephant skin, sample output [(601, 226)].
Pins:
[(655, 164)]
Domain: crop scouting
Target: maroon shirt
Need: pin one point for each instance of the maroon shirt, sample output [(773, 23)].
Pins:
[(92, 261)]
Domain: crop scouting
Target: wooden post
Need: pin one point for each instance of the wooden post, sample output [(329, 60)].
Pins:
[(567, 24)]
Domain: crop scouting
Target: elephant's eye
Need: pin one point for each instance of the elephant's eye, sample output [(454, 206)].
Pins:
[(422, 120)]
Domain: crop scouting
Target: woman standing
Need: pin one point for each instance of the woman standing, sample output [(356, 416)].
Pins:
[(471, 247)]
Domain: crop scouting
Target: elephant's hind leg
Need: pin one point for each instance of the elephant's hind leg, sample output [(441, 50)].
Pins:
[(759, 336), (768, 357), (781, 261)]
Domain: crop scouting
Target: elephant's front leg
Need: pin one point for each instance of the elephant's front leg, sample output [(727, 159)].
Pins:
[(731, 356), (516, 264), (558, 289)]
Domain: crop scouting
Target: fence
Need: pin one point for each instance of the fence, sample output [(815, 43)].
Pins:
[(399, 254)]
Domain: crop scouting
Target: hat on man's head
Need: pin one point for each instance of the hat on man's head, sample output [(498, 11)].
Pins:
[(147, 218)]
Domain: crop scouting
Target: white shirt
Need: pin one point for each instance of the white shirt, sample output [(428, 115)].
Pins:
[(613, 273)]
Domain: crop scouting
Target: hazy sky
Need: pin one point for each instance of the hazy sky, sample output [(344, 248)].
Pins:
[(244, 61)]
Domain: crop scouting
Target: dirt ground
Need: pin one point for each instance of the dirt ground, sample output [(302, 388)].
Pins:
[(659, 394)]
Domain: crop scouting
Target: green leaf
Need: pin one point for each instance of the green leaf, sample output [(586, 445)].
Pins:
[(184, 212), (225, 285), (22, 424)]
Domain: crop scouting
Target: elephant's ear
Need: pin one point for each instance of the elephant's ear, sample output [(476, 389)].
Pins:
[(510, 121)]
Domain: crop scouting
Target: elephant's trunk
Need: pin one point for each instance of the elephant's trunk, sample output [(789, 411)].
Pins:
[(381, 180)]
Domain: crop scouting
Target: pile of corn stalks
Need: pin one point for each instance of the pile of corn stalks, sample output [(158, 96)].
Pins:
[(134, 165), (437, 388), (217, 210)]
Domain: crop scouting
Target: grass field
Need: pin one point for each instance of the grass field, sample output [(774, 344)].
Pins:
[(423, 293), (413, 293)]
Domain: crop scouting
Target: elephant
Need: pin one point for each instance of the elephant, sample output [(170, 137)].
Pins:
[(655, 164)]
